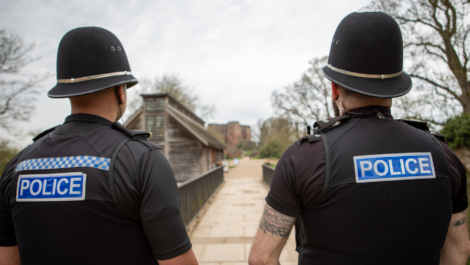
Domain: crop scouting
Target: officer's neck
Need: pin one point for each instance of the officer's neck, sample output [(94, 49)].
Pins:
[(344, 107), (100, 104)]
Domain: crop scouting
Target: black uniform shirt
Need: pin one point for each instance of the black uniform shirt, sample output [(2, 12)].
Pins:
[(300, 173), (145, 187)]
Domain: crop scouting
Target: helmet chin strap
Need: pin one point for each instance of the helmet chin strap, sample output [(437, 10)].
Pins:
[(340, 103), (379, 114), (122, 119), (124, 86)]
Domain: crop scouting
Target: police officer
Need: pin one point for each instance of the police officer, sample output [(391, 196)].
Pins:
[(365, 188), (91, 191)]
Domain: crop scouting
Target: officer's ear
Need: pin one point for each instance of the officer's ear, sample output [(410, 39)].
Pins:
[(334, 91), (120, 93)]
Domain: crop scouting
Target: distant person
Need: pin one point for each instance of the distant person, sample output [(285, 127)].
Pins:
[(225, 165), (365, 188), (91, 191)]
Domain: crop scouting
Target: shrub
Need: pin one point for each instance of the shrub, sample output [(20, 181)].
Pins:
[(246, 145), (6, 154), (457, 131), (272, 148)]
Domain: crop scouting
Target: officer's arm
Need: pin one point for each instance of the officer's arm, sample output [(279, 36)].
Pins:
[(10, 256), (273, 232), (186, 258), (456, 248)]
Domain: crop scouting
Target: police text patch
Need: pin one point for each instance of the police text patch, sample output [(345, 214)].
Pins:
[(51, 187), (389, 167)]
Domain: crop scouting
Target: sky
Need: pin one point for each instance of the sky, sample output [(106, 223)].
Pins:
[(233, 54)]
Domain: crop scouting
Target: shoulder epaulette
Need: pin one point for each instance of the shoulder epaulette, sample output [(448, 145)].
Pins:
[(139, 136), (325, 124), (439, 136), (131, 133), (310, 138), (417, 124), (39, 136)]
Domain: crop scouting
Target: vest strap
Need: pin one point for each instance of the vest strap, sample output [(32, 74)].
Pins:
[(327, 168), (111, 173)]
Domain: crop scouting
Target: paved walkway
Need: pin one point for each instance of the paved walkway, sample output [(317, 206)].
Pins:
[(226, 231)]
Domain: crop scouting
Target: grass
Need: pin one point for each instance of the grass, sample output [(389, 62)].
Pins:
[(231, 159)]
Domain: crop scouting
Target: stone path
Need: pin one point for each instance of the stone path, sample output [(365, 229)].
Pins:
[(226, 231)]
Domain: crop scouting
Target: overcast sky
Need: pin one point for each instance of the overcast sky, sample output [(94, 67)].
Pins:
[(234, 54)]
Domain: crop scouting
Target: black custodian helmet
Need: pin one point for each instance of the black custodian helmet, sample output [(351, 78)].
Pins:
[(90, 59), (366, 55)]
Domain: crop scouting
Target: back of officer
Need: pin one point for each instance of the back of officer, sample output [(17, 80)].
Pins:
[(90, 191), (367, 189)]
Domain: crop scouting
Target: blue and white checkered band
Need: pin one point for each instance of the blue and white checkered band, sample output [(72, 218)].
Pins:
[(64, 162)]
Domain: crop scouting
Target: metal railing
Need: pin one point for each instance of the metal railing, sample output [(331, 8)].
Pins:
[(268, 173), (196, 191)]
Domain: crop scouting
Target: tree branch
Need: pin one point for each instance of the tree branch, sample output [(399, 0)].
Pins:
[(425, 44), (435, 5), (435, 54), (457, 97), (407, 20)]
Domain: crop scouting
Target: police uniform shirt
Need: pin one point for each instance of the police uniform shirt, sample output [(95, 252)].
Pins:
[(144, 185), (298, 179)]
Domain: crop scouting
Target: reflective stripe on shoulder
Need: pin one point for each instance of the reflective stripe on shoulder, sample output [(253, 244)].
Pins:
[(64, 162)]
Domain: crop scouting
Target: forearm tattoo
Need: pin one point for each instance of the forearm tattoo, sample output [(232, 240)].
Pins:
[(276, 223), (461, 221)]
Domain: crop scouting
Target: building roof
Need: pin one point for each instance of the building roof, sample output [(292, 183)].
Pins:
[(185, 118), (178, 105), (197, 130)]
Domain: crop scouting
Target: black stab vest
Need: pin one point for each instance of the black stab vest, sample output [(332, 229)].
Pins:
[(385, 222), (90, 231)]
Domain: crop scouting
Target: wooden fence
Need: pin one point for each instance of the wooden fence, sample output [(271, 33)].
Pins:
[(268, 173), (196, 191)]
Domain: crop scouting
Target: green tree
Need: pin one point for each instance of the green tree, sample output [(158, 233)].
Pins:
[(246, 145), (6, 154), (275, 135), (457, 132)]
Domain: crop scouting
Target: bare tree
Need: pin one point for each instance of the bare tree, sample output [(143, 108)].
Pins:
[(276, 134), (17, 92), (307, 100), (172, 85), (436, 45)]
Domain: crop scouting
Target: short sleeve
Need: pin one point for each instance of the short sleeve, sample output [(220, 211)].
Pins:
[(7, 229), (282, 196), (458, 178), (160, 209), (298, 178)]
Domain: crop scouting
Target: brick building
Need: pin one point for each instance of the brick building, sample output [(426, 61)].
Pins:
[(232, 133)]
